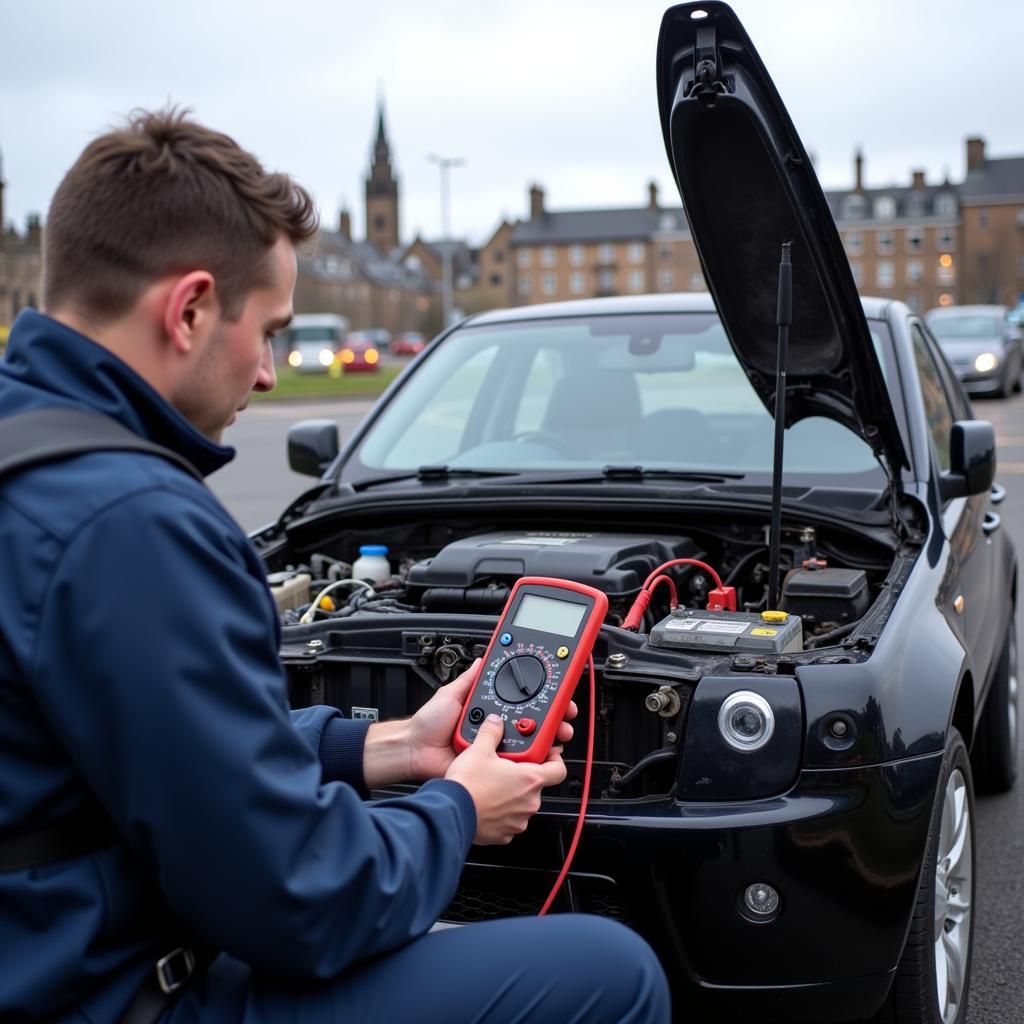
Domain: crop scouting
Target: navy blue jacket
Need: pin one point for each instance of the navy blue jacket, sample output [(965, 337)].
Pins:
[(138, 666)]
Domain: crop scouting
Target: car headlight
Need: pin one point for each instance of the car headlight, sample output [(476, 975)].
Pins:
[(347, 355), (326, 357), (371, 356), (295, 358), (986, 361), (746, 720)]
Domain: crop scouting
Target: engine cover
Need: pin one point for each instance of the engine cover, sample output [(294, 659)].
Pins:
[(614, 563)]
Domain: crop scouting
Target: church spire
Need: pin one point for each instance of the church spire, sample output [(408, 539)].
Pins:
[(382, 190)]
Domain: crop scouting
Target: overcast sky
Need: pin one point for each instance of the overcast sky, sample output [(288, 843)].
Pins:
[(555, 91)]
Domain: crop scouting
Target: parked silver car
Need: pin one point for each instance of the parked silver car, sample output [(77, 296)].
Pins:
[(983, 346)]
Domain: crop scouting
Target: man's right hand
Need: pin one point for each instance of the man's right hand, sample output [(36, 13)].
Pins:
[(506, 793)]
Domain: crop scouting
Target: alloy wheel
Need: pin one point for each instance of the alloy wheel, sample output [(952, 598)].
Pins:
[(954, 889)]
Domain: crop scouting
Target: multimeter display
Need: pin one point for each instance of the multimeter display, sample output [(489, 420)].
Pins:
[(532, 665), (550, 615)]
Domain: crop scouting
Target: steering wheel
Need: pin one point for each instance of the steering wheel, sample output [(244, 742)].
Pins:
[(547, 439)]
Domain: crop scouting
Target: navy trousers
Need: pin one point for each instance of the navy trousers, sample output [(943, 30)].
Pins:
[(568, 967)]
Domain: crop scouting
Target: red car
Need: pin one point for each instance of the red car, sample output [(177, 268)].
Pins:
[(357, 352), (408, 344)]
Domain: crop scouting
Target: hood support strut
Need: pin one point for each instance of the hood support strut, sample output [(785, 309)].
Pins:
[(783, 318)]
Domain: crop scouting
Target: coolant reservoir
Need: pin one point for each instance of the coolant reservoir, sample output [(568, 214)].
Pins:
[(372, 564)]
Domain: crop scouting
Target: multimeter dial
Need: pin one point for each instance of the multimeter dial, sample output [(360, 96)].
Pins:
[(520, 678)]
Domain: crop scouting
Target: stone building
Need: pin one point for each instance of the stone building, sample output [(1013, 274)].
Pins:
[(21, 265)]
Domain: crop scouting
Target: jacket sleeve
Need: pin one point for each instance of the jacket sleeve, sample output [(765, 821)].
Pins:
[(156, 665), (338, 741)]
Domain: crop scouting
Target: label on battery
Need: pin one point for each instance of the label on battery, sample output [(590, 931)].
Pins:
[(707, 625)]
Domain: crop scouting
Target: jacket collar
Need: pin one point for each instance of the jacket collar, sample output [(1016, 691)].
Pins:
[(56, 361)]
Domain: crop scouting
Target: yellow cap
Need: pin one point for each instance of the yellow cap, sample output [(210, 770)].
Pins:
[(774, 616), (327, 604)]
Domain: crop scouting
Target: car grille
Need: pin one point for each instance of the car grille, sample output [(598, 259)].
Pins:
[(488, 892)]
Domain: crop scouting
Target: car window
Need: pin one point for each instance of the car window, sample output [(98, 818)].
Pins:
[(976, 326), (955, 394), (656, 390), (936, 404)]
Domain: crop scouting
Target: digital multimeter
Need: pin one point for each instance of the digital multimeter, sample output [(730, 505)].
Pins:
[(532, 665)]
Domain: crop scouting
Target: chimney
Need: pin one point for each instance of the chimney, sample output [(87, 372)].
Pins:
[(345, 224), (34, 229), (975, 153), (917, 179), (536, 202), (652, 195), (858, 171)]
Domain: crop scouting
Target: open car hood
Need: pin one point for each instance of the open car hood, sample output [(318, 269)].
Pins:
[(747, 185)]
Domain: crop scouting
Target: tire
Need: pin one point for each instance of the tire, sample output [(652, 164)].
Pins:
[(929, 988), (994, 757)]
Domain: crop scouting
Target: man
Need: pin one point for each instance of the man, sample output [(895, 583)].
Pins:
[(143, 711)]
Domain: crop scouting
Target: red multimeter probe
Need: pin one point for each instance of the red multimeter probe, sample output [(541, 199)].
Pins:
[(532, 665)]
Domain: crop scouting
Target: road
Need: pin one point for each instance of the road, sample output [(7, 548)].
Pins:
[(259, 484)]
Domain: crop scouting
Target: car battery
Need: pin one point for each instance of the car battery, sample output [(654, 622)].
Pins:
[(693, 629)]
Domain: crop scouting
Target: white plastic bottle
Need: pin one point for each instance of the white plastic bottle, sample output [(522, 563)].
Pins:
[(372, 564)]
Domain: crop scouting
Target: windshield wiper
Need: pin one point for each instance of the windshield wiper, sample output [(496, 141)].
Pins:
[(642, 473), (434, 473)]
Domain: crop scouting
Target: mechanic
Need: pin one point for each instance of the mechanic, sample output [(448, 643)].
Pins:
[(199, 832)]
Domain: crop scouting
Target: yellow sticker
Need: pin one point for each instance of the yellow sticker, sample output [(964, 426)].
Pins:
[(764, 632)]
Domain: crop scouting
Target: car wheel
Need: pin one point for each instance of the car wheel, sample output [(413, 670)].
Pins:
[(933, 978), (994, 757)]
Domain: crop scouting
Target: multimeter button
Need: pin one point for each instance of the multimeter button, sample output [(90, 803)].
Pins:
[(526, 726), (476, 715), (562, 652), (506, 639)]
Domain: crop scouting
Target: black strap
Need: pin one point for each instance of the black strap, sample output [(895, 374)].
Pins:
[(45, 435), (30, 439)]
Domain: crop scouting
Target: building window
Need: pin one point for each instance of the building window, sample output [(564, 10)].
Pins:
[(547, 256), (606, 280), (380, 222), (496, 280), (697, 283), (915, 208), (946, 273), (883, 243), (983, 219), (915, 271), (523, 257), (946, 239), (854, 243), (606, 253), (945, 205), (635, 253), (576, 255), (576, 283), (853, 207), (547, 284), (665, 252), (524, 286), (666, 280), (885, 208), (499, 256), (915, 239), (858, 273), (667, 222), (636, 280), (884, 274)]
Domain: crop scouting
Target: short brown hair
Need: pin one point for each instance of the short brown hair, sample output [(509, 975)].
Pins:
[(159, 196)]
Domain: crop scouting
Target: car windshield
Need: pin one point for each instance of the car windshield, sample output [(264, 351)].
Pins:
[(657, 390), (966, 327), (296, 334)]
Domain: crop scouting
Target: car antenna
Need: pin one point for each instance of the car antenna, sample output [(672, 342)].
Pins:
[(783, 318)]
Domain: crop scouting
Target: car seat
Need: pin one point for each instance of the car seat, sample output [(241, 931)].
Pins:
[(678, 436), (594, 413)]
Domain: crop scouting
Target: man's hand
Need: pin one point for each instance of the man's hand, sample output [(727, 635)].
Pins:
[(506, 793), (420, 748)]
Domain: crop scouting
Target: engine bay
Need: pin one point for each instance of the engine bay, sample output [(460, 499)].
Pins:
[(379, 647)]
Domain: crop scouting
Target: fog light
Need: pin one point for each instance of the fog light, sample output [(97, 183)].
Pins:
[(746, 721), (761, 899), (985, 362)]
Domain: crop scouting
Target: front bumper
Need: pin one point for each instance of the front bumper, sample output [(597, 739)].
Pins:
[(844, 848)]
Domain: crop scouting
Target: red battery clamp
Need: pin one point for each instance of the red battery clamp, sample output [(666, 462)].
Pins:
[(533, 663)]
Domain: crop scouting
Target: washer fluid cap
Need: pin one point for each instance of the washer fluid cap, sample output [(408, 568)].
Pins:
[(373, 549), (774, 616)]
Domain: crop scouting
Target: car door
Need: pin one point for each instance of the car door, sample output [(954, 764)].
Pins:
[(969, 523)]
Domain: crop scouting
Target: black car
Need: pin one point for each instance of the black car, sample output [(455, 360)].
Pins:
[(782, 797)]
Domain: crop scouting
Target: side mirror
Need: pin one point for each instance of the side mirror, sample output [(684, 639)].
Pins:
[(312, 446), (972, 460)]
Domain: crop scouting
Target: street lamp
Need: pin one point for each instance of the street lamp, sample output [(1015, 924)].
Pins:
[(445, 163)]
